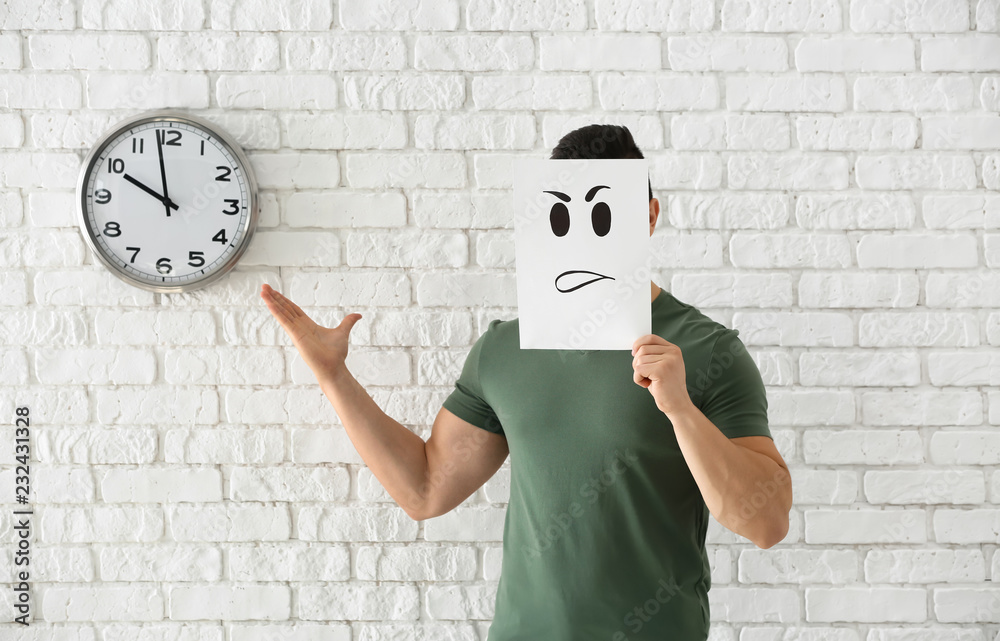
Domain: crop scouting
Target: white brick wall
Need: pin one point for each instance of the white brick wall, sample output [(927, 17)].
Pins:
[(826, 171)]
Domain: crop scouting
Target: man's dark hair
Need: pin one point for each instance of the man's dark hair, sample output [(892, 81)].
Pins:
[(598, 141)]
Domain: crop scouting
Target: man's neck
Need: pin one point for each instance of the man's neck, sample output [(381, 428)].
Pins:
[(655, 290)]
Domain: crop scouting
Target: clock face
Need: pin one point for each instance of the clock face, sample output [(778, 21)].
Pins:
[(169, 204)]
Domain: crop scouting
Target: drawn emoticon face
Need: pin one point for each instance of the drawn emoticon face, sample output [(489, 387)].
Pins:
[(582, 244)]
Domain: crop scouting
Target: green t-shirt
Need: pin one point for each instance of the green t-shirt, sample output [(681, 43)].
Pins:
[(604, 536)]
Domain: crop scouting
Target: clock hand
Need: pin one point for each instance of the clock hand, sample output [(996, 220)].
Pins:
[(165, 201), (163, 173)]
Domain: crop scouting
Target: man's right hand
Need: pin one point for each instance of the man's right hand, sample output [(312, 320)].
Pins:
[(324, 349)]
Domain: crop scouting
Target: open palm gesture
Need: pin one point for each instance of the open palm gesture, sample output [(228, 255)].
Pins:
[(324, 349)]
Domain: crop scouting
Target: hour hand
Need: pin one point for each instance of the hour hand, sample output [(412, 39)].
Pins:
[(165, 201)]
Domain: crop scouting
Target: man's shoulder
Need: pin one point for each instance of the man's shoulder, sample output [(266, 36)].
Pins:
[(694, 331)]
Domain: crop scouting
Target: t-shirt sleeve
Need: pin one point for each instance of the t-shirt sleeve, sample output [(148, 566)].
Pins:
[(735, 401), (467, 400)]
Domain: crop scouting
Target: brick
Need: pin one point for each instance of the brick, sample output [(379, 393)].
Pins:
[(289, 484), (818, 329), (847, 133), (962, 212), (661, 92), (961, 132), (101, 523), (924, 566), (276, 92), (966, 525), (922, 407), (474, 53), (765, 250), (857, 446), (344, 131), (920, 92), (39, 91), (923, 329), (847, 290), (656, 15), (595, 52), (359, 602), (157, 485), (405, 169), (347, 52), (147, 91), (726, 211), (38, 14), (852, 526), (411, 248), (449, 210), (855, 54), (815, 92), (919, 16), (915, 171), (160, 563), (526, 15), (796, 15), (218, 52), (727, 53), (362, 523), (10, 51), (474, 131), (530, 92), (404, 92), (342, 208), (733, 290), (835, 368), (285, 170), (102, 603), (400, 15), (866, 605), (862, 211), (287, 563), (229, 522), (143, 15), (271, 15), (924, 487), (94, 366), (799, 172), (921, 251), (249, 602), (79, 51)]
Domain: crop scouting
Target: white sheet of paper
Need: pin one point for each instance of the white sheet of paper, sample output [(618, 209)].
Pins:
[(585, 285)]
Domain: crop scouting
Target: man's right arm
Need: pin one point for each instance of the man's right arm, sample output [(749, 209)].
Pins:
[(427, 479)]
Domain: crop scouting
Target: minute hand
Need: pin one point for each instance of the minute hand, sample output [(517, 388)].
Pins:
[(163, 173)]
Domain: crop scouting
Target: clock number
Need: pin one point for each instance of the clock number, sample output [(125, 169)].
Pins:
[(116, 166), (221, 237), (163, 133), (133, 249), (113, 229), (163, 266), (103, 196), (137, 147), (235, 204), (224, 176), (196, 256)]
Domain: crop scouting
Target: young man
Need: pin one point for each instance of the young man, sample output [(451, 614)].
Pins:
[(617, 458)]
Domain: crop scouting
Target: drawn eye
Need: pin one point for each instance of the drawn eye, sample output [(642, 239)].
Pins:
[(559, 219), (601, 219)]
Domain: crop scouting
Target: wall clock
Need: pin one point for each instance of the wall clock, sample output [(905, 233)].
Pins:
[(167, 201)]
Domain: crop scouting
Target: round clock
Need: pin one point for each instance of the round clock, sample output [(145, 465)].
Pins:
[(167, 201)]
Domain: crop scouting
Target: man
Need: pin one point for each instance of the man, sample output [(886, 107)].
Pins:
[(617, 458)]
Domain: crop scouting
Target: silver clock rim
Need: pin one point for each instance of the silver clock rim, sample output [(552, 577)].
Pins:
[(167, 115)]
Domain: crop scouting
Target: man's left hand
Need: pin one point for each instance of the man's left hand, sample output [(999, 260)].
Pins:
[(658, 365)]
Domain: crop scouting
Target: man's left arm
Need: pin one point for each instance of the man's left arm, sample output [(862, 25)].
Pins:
[(742, 477)]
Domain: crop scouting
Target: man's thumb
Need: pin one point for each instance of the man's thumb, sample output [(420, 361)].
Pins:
[(349, 322)]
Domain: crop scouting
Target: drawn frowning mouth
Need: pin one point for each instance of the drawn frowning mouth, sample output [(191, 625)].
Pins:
[(582, 284)]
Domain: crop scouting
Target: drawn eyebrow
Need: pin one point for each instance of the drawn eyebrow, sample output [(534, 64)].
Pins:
[(590, 194), (559, 195)]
